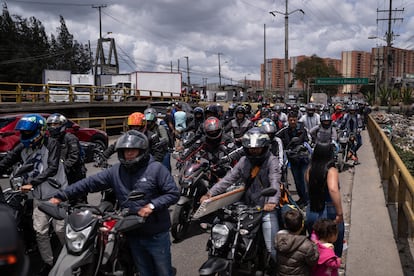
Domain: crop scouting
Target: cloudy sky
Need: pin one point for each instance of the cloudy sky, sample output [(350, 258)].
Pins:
[(152, 34)]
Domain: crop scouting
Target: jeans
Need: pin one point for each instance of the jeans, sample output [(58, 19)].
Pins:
[(329, 213), (166, 161), (270, 226), (152, 255), (298, 171)]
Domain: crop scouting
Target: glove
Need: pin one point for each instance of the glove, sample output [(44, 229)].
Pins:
[(223, 160)]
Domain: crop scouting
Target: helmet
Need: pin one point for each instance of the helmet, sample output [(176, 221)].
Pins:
[(310, 109), (56, 124), (137, 119), (256, 143), (198, 110), (232, 106), (267, 126), (338, 106), (352, 107), (150, 114), (213, 128), (326, 120), (211, 110), (133, 139), (32, 129), (240, 109), (265, 112)]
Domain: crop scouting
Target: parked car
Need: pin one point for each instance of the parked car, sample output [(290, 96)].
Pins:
[(91, 139)]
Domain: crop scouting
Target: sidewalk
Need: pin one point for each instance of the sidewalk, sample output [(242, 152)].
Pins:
[(372, 249)]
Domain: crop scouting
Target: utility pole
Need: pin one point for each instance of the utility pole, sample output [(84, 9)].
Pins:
[(286, 69), (219, 65), (188, 73), (100, 21), (388, 61), (264, 60)]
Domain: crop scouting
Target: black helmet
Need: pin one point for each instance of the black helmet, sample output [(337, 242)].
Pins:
[(352, 107), (240, 109), (213, 128), (198, 110), (56, 124), (133, 139), (211, 110), (326, 120), (256, 144)]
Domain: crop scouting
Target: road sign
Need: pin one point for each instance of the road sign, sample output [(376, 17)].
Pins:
[(340, 81)]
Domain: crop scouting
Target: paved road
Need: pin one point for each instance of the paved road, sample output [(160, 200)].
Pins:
[(189, 254)]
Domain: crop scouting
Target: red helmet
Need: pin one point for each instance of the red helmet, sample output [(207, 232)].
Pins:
[(213, 128)]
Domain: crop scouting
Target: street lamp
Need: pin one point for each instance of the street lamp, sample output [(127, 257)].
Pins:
[(286, 71)]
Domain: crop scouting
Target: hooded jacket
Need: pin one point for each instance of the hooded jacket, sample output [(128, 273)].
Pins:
[(296, 254)]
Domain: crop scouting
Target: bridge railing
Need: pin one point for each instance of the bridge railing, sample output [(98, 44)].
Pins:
[(399, 179), (115, 124), (44, 93)]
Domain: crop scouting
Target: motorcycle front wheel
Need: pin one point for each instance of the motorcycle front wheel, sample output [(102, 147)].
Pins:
[(181, 221)]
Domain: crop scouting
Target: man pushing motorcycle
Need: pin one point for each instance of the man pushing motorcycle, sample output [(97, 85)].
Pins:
[(138, 171), (258, 169)]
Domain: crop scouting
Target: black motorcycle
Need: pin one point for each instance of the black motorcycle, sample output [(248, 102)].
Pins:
[(21, 205), (94, 238), (194, 183), (346, 141), (236, 244)]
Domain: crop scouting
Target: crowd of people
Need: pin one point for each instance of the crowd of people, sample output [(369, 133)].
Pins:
[(258, 145)]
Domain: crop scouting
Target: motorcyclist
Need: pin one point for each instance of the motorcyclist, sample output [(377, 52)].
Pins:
[(239, 125), (44, 153), (276, 144), (258, 169), (311, 118), (71, 151), (152, 125), (198, 120), (214, 146), (137, 171), (325, 132), (138, 122), (352, 121), (294, 137), (338, 114)]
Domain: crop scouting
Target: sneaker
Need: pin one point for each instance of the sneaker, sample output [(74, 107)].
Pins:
[(356, 162)]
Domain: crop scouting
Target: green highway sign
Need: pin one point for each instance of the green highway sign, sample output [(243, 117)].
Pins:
[(340, 81)]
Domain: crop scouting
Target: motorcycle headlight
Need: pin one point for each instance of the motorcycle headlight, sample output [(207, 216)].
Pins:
[(219, 235), (185, 183), (75, 240)]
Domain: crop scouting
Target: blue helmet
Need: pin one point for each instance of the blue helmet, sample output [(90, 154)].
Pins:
[(32, 128)]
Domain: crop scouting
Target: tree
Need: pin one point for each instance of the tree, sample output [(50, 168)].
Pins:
[(315, 67), (26, 50)]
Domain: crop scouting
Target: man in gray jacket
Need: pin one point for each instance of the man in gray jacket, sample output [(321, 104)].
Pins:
[(258, 169)]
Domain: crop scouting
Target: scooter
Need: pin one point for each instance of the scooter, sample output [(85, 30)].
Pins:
[(93, 238)]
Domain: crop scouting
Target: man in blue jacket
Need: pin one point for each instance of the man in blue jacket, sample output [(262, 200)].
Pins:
[(137, 171)]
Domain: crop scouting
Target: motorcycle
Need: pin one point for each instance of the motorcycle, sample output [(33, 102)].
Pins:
[(21, 205), (95, 243), (346, 141), (236, 244), (196, 177), (194, 184)]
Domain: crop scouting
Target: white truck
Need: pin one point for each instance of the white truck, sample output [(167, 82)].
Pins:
[(116, 87), (57, 84), (165, 85), (82, 87)]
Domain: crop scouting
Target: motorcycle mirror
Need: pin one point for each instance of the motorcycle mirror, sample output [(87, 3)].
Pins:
[(268, 192), (135, 195), (53, 210)]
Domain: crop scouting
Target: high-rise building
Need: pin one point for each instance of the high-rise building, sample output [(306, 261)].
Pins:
[(355, 64)]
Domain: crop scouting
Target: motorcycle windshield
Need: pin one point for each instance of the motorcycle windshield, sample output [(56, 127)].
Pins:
[(81, 219)]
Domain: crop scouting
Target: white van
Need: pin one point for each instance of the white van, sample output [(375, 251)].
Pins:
[(82, 93), (58, 91)]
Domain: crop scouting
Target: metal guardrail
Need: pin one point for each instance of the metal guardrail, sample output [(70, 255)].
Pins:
[(104, 123), (41, 93), (400, 180)]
